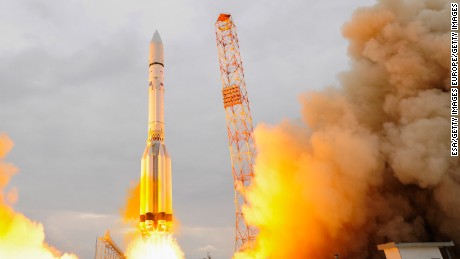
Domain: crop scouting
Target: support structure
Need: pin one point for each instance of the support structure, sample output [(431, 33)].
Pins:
[(107, 249), (239, 123)]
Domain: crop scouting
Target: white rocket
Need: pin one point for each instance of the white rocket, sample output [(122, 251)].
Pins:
[(156, 182)]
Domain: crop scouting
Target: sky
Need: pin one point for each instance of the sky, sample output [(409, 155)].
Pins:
[(73, 98)]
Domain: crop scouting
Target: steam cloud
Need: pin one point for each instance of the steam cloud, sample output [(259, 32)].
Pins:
[(369, 162), (19, 236)]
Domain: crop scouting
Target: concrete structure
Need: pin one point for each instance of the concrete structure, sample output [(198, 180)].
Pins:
[(416, 250)]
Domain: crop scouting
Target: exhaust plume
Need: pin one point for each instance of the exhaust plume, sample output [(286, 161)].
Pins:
[(157, 246), (19, 236), (369, 161)]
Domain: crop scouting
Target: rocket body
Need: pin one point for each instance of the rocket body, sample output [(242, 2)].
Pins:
[(156, 182)]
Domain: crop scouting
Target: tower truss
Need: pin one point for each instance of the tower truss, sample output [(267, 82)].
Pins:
[(107, 249), (239, 123)]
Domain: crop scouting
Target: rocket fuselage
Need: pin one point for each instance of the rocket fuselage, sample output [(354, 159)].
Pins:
[(156, 183)]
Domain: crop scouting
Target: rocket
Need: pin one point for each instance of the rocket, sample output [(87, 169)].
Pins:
[(155, 183)]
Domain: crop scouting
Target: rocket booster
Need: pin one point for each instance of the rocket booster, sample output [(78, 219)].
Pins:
[(156, 183)]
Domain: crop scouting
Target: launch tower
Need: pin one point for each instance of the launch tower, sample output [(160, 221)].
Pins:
[(107, 249), (239, 123)]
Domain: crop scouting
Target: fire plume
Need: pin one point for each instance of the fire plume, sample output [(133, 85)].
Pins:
[(154, 247), (20, 237), (369, 161)]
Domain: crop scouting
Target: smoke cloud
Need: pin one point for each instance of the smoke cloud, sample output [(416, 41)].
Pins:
[(19, 236), (369, 161)]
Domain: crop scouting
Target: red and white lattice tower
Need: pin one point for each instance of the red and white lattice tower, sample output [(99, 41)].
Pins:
[(239, 123)]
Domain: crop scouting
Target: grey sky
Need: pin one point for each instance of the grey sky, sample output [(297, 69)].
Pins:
[(73, 98)]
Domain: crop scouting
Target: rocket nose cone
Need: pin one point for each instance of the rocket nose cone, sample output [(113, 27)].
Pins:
[(156, 49), (156, 37)]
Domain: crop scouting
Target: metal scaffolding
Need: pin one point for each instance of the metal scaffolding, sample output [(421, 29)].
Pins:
[(107, 249), (239, 123)]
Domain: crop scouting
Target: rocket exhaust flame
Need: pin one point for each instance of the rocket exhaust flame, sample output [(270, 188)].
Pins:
[(156, 246), (19, 236), (369, 162)]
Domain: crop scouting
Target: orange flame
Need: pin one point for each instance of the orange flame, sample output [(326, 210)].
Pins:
[(19, 236), (368, 162), (155, 247)]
